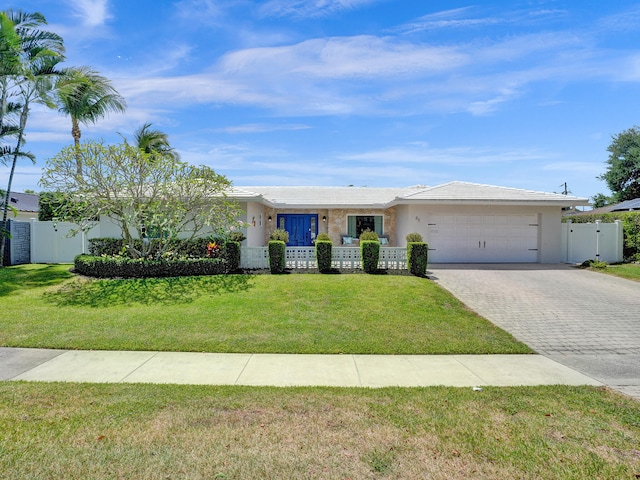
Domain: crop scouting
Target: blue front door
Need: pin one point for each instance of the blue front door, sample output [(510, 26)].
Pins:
[(302, 228)]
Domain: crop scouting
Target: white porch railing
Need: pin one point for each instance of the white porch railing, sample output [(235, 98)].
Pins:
[(391, 258)]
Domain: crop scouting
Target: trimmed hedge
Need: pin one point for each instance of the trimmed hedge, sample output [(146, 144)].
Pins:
[(370, 252), (630, 227), (231, 254), (277, 259), (417, 256), (193, 248), (121, 267), (323, 255)]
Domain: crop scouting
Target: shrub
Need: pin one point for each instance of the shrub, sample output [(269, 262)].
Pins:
[(597, 264), (414, 237), (369, 236), (232, 256), (277, 260), (323, 254), (417, 255), (370, 252), (122, 267), (280, 235), (105, 246), (237, 236), (324, 237), (189, 248)]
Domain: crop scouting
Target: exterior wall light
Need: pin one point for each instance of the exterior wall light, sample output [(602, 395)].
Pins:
[(269, 218), (324, 218)]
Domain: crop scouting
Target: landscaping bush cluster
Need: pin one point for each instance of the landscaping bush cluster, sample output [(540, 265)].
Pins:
[(193, 248), (630, 227), (201, 256), (123, 267)]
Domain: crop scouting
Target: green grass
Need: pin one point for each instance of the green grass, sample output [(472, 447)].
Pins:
[(66, 431), (46, 306), (630, 271)]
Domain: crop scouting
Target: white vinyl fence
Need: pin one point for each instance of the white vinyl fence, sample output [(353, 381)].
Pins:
[(51, 242), (592, 241)]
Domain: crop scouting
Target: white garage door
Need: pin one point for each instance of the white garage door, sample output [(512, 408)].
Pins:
[(483, 239)]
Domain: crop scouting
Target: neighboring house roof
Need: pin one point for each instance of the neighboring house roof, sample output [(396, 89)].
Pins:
[(373, 197), (626, 206), (24, 202)]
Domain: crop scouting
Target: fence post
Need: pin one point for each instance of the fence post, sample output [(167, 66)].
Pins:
[(619, 241), (569, 242), (598, 222)]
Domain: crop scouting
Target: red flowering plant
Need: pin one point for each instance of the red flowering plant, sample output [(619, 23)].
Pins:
[(213, 250)]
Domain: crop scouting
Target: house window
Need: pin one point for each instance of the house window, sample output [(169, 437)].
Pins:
[(356, 224)]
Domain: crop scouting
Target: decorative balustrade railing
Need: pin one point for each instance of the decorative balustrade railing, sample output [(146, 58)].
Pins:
[(391, 258)]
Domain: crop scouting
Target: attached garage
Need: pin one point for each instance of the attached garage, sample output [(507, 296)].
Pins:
[(483, 238)]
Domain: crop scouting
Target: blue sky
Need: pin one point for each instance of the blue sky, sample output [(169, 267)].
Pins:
[(522, 94)]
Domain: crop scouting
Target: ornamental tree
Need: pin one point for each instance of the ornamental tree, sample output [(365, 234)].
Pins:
[(148, 195)]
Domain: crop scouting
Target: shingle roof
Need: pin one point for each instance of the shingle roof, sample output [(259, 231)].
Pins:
[(627, 205), (24, 202)]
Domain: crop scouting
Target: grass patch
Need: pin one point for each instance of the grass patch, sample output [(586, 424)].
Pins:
[(381, 314), (165, 431), (630, 271)]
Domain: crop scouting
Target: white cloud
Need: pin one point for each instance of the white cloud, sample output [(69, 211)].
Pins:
[(310, 8), (262, 128), (93, 13)]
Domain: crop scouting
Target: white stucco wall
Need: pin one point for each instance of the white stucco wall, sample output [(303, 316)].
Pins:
[(257, 220)]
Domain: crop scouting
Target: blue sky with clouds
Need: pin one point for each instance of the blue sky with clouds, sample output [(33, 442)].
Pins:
[(522, 94)]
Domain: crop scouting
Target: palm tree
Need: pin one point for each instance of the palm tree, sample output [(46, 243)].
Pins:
[(86, 97), (153, 141), (28, 60)]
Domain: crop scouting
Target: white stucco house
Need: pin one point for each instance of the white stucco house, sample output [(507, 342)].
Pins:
[(462, 222)]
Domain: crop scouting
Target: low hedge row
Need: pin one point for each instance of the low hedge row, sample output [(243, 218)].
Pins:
[(121, 267), (193, 248)]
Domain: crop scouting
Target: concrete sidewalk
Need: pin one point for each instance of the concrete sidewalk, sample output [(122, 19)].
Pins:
[(285, 370)]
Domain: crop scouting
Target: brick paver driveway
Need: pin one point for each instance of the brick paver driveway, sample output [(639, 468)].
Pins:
[(587, 320)]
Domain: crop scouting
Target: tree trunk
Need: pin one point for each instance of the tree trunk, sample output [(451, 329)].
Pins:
[(76, 134), (7, 197)]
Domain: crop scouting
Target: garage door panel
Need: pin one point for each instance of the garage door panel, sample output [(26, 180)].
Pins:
[(483, 238)]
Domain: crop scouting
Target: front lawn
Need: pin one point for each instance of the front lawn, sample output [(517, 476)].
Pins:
[(45, 306), (64, 431), (630, 271)]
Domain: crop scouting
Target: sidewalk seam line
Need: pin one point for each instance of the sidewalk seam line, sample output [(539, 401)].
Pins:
[(355, 364), (138, 367), (243, 369)]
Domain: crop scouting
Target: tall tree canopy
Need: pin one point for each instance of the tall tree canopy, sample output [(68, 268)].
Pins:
[(152, 140), (149, 195), (86, 96), (28, 68), (623, 173)]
